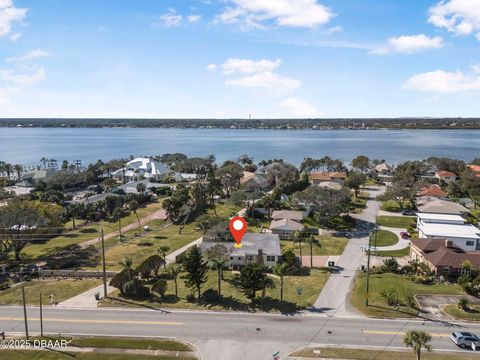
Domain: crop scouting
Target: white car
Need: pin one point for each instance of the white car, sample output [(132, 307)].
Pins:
[(465, 339)]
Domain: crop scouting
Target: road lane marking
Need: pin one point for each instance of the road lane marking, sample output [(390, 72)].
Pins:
[(381, 332), (133, 322)]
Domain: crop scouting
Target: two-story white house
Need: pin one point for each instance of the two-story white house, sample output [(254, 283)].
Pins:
[(451, 227), (142, 168), (261, 248)]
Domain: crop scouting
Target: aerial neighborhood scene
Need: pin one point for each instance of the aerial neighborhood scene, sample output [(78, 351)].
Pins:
[(237, 179)]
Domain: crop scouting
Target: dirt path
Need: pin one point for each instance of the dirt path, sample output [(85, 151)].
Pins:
[(156, 215)]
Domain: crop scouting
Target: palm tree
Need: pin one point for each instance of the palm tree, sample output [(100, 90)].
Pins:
[(8, 168), (44, 161), (141, 188), (173, 271), (268, 283), (281, 270), (416, 339), (218, 263), (19, 169), (117, 215), (298, 238), (310, 240), (163, 250), (127, 266), (133, 206)]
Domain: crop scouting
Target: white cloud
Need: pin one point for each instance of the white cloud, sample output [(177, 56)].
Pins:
[(266, 80), (444, 82), (246, 66), (461, 17), (34, 54), (9, 14), (212, 67), (299, 107), (194, 18), (169, 19), (290, 13), (14, 37), (408, 44), (332, 30), (23, 80)]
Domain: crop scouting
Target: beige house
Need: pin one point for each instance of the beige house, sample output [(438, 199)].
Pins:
[(319, 177), (285, 228)]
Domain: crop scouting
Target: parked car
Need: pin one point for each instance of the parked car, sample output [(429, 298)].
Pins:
[(408, 212), (465, 339), (404, 235)]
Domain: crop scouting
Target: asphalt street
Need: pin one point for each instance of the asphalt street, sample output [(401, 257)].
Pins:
[(232, 335)]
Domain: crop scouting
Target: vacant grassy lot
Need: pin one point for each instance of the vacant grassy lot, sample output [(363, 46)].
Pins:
[(61, 289), (394, 253), (384, 238), (401, 222), (473, 314), (311, 284), (362, 354), (84, 233), (328, 245), (404, 287)]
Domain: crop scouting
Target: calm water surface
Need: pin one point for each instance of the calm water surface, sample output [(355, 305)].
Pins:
[(27, 146)]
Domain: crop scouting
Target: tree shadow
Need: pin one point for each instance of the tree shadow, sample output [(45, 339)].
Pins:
[(88, 231), (71, 257)]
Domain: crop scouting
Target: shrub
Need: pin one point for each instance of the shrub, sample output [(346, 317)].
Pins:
[(410, 301), (391, 297), (119, 280), (390, 265), (190, 298), (135, 289), (210, 295), (463, 304), (160, 287)]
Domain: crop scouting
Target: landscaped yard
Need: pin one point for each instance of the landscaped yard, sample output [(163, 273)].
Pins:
[(363, 354), (401, 222), (404, 288), (329, 245), (84, 233), (392, 206), (394, 253), (61, 290), (383, 238), (167, 349), (473, 314), (359, 203), (234, 299)]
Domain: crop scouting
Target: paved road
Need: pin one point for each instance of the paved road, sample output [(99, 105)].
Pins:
[(232, 335), (333, 299)]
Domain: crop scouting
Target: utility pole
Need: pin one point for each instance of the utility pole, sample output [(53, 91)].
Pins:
[(368, 271), (41, 316), (25, 312), (104, 266)]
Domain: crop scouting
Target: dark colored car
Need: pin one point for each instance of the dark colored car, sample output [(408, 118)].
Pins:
[(408, 212)]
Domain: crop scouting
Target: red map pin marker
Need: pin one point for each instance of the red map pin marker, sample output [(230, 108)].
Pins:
[(238, 227)]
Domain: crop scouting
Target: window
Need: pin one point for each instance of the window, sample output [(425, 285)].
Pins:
[(270, 258), (231, 257), (470, 243), (250, 257), (285, 232)]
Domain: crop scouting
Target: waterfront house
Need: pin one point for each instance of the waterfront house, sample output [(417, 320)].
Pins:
[(254, 181), (322, 176), (262, 248), (142, 168), (445, 176), (383, 169), (475, 169), (442, 255)]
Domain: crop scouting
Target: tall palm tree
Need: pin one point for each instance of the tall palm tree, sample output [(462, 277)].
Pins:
[(117, 215), (127, 266), (310, 240), (141, 188), (133, 207), (268, 283), (44, 161), (218, 263), (173, 271), (417, 339), (298, 238), (163, 250), (19, 169), (8, 168), (281, 270)]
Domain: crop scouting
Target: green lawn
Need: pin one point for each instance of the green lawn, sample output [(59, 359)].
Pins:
[(394, 253), (404, 287), (130, 343), (61, 289), (384, 238), (84, 233), (359, 203), (473, 314), (392, 206), (401, 222), (49, 355), (362, 354), (329, 245), (233, 299)]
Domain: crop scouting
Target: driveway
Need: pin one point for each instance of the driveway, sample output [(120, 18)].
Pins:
[(334, 298), (430, 305)]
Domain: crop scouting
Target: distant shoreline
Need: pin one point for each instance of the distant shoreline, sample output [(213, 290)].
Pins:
[(261, 124)]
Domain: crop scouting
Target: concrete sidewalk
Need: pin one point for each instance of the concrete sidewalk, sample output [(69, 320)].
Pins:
[(85, 299)]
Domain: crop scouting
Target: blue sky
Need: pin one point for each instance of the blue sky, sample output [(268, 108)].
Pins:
[(232, 58)]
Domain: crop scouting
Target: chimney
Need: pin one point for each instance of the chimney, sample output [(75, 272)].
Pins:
[(448, 243)]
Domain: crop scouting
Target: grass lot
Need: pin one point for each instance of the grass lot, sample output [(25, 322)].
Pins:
[(384, 238), (401, 222), (84, 233), (473, 314), (329, 245), (255, 225), (362, 354), (61, 289), (233, 299), (392, 206), (404, 287), (394, 253), (359, 203), (139, 248)]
